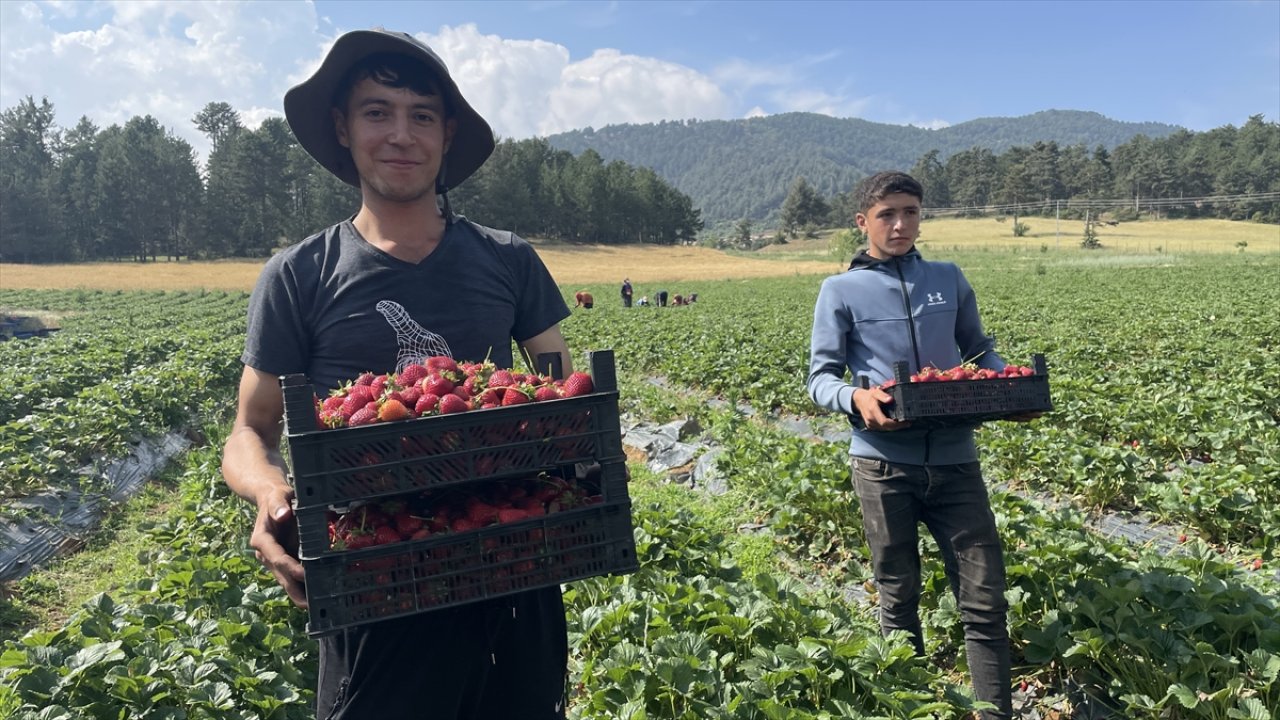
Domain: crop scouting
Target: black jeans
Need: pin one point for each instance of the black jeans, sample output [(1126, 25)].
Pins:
[(951, 500)]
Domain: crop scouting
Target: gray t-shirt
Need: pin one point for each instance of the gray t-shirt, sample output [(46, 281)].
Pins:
[(334, 306)]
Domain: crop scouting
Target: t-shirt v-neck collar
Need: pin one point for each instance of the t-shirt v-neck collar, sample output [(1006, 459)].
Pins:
[(354, 234)]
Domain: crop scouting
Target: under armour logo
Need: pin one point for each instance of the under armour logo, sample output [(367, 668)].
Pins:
[(936, 299)]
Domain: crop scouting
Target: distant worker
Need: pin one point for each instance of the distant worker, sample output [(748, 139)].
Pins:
[(677, 300), (583, 299), (626, 292), (693, 298), (643, 301), (662, 298)]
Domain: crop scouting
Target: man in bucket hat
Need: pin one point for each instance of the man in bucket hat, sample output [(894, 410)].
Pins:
[(402, 279)]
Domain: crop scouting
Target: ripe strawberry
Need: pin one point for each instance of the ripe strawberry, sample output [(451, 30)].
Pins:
[(426, 404), (1257, 563), (463, 524), (385, 534), (515, 396), (411, 375), (392, 410), (330, 414), (440, 364), (490, 396), (578, 383), (501, 378), (546, 392), (355, 541), (357, 397), (379, 384), (452, 404), (407, 523), (364, 416), (365, 379), (437, 385), (510, 515), (410, 395)]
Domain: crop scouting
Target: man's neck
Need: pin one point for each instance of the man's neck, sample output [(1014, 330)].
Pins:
[(408, 231)]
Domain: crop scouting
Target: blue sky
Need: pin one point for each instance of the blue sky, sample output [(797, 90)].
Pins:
[(536, 68)]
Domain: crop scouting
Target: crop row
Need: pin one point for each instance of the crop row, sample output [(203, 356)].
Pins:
[(689, 635), (138, 366), (1162, 377)]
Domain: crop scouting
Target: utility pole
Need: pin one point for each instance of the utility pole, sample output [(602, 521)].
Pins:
[(1057, 222)]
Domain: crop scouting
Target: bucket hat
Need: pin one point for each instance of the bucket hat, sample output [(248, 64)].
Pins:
[(306, 107)]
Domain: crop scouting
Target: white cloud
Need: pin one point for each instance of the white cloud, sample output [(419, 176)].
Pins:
[(169, 58), (610, 87), (164, 59)]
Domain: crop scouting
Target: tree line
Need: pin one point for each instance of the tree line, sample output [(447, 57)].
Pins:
[(1176, 176), (136, 191)]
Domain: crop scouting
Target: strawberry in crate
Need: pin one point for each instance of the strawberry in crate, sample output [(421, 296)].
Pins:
[(428, 514), (440, 386)]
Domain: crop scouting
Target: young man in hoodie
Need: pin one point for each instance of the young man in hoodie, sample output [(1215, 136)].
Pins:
[(893, 305)]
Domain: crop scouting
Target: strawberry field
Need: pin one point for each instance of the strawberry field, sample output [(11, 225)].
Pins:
[(753, 603)]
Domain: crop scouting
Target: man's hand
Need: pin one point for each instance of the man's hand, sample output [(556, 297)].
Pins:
[(275, 542), (867, 402)]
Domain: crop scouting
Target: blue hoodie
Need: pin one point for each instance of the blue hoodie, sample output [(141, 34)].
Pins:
[(882, 311)]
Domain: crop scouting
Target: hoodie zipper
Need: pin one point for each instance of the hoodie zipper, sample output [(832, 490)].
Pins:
[(911, 327)]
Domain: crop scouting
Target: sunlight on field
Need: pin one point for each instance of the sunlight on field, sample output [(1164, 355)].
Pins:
[(1183, 236), (1138, 243), (1149, 237), (571, 265)]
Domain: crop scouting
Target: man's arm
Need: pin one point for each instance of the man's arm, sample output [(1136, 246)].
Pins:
[(254, 469), (832, 323), (547, 341)]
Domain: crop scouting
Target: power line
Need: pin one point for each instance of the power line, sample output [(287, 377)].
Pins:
[(1096, 203)]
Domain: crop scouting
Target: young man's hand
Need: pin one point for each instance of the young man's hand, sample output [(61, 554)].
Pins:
[(868, 403), (275, 542)]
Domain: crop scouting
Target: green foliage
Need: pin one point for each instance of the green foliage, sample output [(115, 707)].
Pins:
[(846, 243), (744, 168), (1161, 405)]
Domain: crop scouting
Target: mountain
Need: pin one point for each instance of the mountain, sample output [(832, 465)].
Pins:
[(744, 168)]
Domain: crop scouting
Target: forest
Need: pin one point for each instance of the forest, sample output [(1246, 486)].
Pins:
[(138, 191)]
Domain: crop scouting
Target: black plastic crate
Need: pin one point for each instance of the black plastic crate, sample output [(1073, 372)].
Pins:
[(357, 587), (341, 465), (953, 403), (609, 484)]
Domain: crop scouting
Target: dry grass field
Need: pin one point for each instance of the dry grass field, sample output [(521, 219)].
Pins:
[(571, 265), (1146, 237), (595, 264)]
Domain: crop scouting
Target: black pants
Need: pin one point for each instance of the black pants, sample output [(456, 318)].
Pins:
[(499, 659), (951, 500)]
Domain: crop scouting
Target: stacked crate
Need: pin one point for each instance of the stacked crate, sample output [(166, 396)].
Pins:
[(572, 441)]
